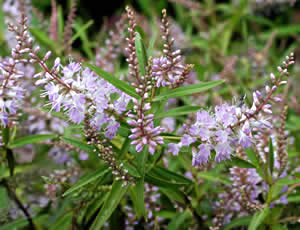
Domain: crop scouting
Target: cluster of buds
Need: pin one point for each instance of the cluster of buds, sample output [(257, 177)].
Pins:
[(105, 152), (168, 70), (57, 180), (238, 199), (11, 91), (144, 132), (131, 52), (282, 142)]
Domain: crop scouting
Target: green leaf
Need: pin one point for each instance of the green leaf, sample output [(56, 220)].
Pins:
[(114, 81), (170, 176), (82, 30), (178, 220), (214, 177), (188, 90), (252, 157), (236, 161), (141, 53), (86, 180), (294, 198), (2, 22), (61, 23), (44, 39), (63, 222), (139, 188), (160, 182), (86, 44), (125, 147), (179, 111), (287, 181), (255, 161), (78, 144), (278, 227), (258, 218), (3, 199), (30, 140), (21, 223), (5, 135), (151, 43), (271, 156), (238, 222), (96, 204), (174, 195), (116, 194)]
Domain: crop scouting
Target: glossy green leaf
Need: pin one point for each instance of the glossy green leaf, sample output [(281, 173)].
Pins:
[(294, 198), (238, 222), (180, 219), (116, 194), (174, 195), (169, 175), (141, 53), (82, 30), (64, 222), (271, 156), (3, 199), (5, 135), (96, 204), (139, 188), (187, 90), (86, 43), (151, 43), (160, 182), (213, 177), (78, 144), (21, 223), (179, 111), (278, 227), (44, 39), (236, 161), (255, 161), (128, 89), (287, 181), (86, 180), (258, 218), (61, 23), (30, 140)]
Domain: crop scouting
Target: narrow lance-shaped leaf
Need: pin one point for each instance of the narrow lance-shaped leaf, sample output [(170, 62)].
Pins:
[(5, 135), (188, 90), (258, 218), (114, 81), (178, 220), (238, 222), (30, 140), (236, 161), (45, 40), (116, 194), (271, 156), (139, 188), (86, 180), (179, 111), (82, 30), (78, 144), (141, 53)]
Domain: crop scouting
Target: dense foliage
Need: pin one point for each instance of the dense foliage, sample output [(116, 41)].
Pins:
[(187, 120)]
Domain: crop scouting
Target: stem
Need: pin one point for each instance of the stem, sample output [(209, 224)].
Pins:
[(19, 203)]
